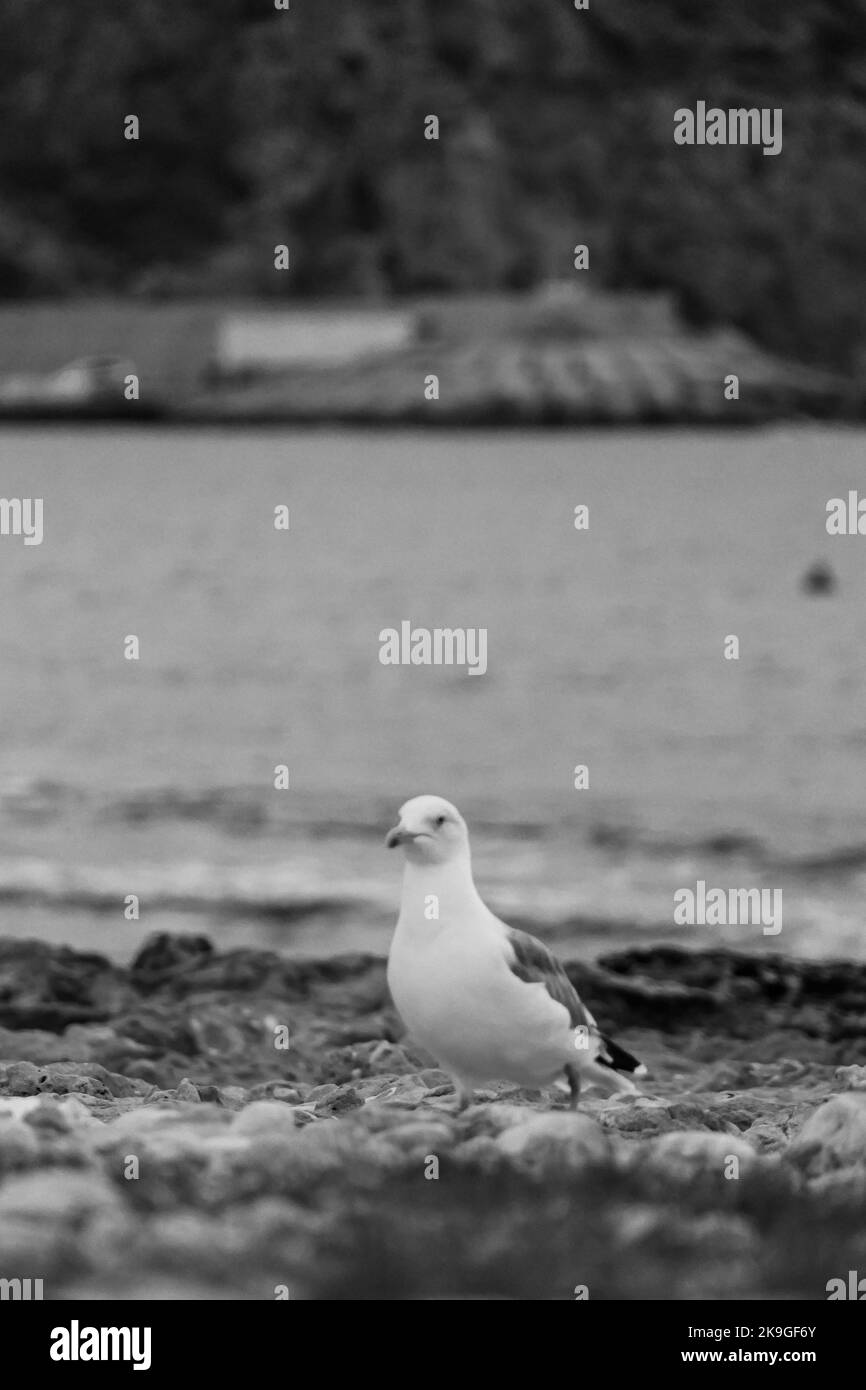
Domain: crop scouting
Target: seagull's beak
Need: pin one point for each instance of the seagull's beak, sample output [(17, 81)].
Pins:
[(398, 836)]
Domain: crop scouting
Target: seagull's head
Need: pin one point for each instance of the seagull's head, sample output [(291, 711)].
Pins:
[(431, 831)]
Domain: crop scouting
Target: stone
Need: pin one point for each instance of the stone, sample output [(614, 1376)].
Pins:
[(851, 1078), (57, 1194), (389, 1057), (18, 1143), (271, 1118), (687, 1154), (555, 1142), (833, 1137), (20, 1079)]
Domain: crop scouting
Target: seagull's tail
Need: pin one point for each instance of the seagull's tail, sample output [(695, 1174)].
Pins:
[(609, 1066), (610, 1054)]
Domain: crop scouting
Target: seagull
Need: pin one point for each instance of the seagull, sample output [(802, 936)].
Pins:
[(489, 1002)]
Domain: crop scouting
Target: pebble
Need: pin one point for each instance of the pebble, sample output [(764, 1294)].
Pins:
[(555, 1142), (833, 1137)]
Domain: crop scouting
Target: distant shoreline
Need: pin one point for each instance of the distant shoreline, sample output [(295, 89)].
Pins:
[(564, 358)]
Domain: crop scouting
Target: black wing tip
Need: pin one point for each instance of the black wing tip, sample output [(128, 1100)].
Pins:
[(619, 1060)]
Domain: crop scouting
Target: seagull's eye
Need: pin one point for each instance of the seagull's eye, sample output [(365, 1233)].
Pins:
[(440, 820)]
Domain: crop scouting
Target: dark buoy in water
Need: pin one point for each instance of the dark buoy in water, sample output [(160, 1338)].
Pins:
[(819, 579)]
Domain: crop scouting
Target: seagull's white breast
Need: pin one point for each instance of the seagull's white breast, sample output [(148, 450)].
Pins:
[(453, 987)]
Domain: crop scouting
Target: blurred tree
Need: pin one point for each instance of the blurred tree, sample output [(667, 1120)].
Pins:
[(306, 127)]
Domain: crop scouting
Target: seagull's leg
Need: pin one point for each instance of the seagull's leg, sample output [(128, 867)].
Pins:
[(573, 1085)]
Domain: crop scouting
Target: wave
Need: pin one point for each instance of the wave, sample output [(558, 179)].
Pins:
[(231, 807), (243, 813), (275, 893), (259, 891)]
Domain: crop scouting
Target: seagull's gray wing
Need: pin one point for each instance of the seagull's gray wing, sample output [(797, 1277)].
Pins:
[(533, 963)]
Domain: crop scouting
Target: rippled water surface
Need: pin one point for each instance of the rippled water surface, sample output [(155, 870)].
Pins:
[(260, 647)]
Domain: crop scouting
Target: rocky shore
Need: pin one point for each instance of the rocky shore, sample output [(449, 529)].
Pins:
[(241, 1125)]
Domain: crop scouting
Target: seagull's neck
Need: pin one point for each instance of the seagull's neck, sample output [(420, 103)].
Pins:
[(451, 884)]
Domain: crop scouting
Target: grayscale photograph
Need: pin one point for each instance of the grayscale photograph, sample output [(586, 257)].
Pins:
[(433, 630)]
